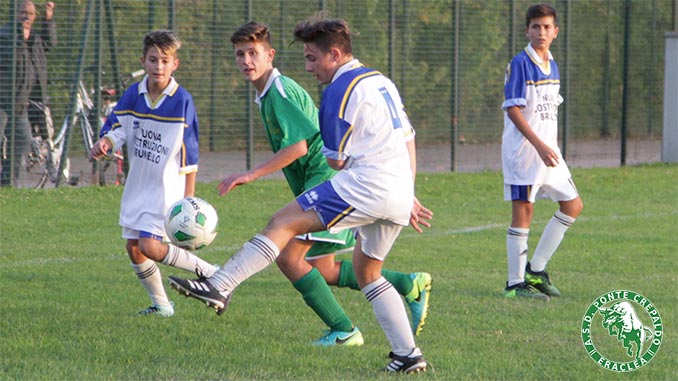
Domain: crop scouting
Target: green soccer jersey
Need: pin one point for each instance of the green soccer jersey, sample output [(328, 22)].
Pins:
[(290, 116)]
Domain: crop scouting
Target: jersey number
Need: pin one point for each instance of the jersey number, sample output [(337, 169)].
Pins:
[(395, 119)]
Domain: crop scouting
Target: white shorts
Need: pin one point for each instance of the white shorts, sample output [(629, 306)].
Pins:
[(128, 233), (564, 191), (376, 235)]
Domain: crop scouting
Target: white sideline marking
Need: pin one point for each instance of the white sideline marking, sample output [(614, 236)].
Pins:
[(406, 234)]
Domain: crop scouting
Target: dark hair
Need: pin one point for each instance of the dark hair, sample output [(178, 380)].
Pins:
[(324, 33), (164, 40), (252, 32), (540, 10)]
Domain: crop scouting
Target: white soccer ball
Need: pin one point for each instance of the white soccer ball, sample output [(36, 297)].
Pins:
[(191, 223)]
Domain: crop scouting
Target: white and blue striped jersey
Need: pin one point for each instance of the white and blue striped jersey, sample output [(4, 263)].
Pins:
[(532, 85), (162, 147), (362, 121)]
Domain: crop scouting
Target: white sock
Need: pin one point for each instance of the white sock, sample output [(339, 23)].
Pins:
[(516, 249), (254, 256), (389, 309), (150, 277), (550, 240), (185, 260)]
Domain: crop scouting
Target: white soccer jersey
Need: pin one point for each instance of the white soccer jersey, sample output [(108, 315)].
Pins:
[(162, 146), (535, 90), (362, 121)]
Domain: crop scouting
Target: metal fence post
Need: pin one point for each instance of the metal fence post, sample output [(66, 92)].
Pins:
[(455, 95), (625, 80)]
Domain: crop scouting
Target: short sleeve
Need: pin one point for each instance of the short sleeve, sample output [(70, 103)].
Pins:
[(514, 85)]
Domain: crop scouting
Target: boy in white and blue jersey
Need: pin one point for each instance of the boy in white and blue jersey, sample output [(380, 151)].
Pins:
[(156, 119), (368, 138), (290, 119), (532, 164)]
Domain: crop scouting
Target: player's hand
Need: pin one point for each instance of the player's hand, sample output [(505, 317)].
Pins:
[(548, 156), (420, 215), (232, 181), (100, 148)]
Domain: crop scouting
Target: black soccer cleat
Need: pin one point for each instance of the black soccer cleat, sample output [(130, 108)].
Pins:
[(412, 363), (202, 290)]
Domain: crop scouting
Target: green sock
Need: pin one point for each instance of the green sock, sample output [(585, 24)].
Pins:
[(347, 276), (402, 282), (319, 297)]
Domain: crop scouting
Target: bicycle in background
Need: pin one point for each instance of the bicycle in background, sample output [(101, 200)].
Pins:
[(44, 159)]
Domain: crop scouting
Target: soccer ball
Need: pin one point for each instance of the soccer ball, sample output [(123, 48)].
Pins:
[(191, 223)]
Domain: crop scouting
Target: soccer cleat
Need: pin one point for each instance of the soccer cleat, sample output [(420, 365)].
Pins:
[(417, 300), (524, 290), (348, 339), (540, 280), (162, 311), (202, 274), (201, 289), (412, 363)]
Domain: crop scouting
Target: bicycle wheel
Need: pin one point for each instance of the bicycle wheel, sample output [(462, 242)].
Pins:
[(37, 164)]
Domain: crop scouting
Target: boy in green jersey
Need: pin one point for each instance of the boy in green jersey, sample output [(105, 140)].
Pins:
[(290, 117)]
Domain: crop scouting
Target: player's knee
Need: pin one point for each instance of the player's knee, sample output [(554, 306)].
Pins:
[(153, 249), (572, 208)]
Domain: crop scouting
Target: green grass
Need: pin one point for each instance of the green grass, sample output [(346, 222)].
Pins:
[(69, 299)]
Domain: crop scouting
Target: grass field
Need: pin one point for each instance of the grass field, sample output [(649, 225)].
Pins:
[(69, 299)]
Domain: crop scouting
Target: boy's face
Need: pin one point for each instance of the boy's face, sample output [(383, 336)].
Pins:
[(159, 67), (255, 61), (541, 32), (322, 65)]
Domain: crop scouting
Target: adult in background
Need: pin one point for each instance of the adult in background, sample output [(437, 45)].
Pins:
[(34, 36)]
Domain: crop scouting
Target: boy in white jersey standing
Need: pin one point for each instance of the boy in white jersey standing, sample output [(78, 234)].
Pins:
[(368, 138), (532, 164), (156, 119), (291, 121)]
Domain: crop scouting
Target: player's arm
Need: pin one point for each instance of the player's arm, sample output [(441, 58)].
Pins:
[(189, 190), (548, 155), (335, 164), (280, 160)]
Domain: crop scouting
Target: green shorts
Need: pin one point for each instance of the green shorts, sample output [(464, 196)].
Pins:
[(326, 243)]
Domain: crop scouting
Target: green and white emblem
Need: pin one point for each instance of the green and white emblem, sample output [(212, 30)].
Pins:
[(621, 331)]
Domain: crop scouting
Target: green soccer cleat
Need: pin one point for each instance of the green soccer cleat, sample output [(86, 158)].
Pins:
[(417, 300), (331, 338), (524, 290), (540, 281), (162, 311)]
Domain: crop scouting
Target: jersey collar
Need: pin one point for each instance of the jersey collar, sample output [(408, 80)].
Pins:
[(168, 90), (275, 73), (536, 58), (348, 66)]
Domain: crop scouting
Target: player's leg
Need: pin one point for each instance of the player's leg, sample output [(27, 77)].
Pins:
[(571, 206), (254, 256), (522, 209), (171, 255), (374, 242), (149, 275), (414, 287), (317, 294)]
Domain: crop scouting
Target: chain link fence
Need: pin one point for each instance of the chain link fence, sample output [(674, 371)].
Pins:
[(447, 57)]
